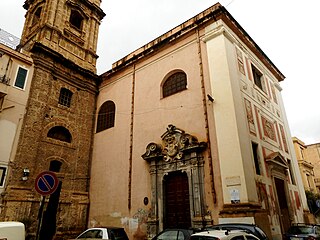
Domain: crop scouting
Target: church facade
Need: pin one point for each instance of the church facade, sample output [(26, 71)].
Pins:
[(191, 131)]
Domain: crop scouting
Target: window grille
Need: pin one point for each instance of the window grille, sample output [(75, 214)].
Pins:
[(177, 82), (106, 116), (65, 97)]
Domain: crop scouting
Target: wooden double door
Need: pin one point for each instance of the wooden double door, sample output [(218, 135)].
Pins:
[(176, 201)]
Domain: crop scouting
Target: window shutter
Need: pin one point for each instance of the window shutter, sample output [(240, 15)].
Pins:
[(21, 78)]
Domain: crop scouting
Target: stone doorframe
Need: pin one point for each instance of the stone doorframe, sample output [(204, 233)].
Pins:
[(278, 168), (179, 151)]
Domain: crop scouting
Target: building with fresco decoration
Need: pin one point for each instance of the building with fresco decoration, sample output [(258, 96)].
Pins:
[(191, 131)]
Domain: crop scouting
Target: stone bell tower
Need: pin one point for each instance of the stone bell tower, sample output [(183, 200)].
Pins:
[(57, 128), (67, 27)]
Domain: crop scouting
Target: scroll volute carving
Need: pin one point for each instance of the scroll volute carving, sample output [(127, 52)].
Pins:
[(153, 151)]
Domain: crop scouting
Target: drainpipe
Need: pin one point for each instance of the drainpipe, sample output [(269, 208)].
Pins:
[(202, 208), (204, 102), (131, 137), (157, 206)]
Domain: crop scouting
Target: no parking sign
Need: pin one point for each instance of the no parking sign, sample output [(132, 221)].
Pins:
[(46, 183)]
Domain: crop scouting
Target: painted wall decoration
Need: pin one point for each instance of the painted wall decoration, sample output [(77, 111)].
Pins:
[(273, 210), (293, 202), (283, 137), (250, 118), (141, 215), (240, 61), (263, 195), (274, 96), (298, 202), (268, 129)]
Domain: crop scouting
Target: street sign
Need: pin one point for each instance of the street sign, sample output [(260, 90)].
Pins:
[(46, 183)]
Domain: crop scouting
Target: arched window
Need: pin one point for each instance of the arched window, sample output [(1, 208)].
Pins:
[(36, 16), (60, 133), (55, 166), (106, 116), (174, 83), (76, 19), (65, 97)]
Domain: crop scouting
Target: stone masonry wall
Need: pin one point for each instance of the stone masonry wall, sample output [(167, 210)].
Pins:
[(36, 150)]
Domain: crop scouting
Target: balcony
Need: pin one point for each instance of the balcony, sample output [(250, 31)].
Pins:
[(4, 84)]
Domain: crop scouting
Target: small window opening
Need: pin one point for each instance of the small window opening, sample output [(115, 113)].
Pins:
[(257, 77), (55, 166), (106, 116), (60, 133), (36, 16), (177, 82), (65, 97), (256, 158), (76, 19), (293, 181)]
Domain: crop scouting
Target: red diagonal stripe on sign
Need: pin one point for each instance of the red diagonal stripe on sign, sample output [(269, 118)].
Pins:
[(46, 182)]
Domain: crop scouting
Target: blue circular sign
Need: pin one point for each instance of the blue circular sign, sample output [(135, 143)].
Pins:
[(46, 183)]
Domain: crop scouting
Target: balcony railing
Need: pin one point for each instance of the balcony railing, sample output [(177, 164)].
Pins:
[(5, 80)]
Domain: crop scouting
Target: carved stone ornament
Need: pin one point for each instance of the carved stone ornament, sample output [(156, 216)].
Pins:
[(175, 143), (153, 151)]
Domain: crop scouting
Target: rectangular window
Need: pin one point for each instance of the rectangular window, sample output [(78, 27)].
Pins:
[(256, 158), (301, 151), (291, 172), (3, 171), (21, 78), (309, 180), (257, 77), (65, 97)]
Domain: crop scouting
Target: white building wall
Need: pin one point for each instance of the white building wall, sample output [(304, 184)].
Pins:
[(227, 105), (231, 89)]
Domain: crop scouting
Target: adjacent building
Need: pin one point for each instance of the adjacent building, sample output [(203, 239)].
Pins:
[(16, 70), (306, 166), (191, 131), (312, 153), (54, 116)]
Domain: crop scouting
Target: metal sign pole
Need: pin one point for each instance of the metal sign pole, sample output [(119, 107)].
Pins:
[(40, 215)]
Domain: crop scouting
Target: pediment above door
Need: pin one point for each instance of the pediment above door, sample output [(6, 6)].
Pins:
[(276, 161), (175, 144)]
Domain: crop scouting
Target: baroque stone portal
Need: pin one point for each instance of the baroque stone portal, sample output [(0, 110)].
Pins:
[(179, 153)]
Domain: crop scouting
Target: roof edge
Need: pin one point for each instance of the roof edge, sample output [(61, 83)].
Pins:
[(217, 11)]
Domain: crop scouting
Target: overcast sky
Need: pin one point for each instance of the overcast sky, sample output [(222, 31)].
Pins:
[(286, 30)]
